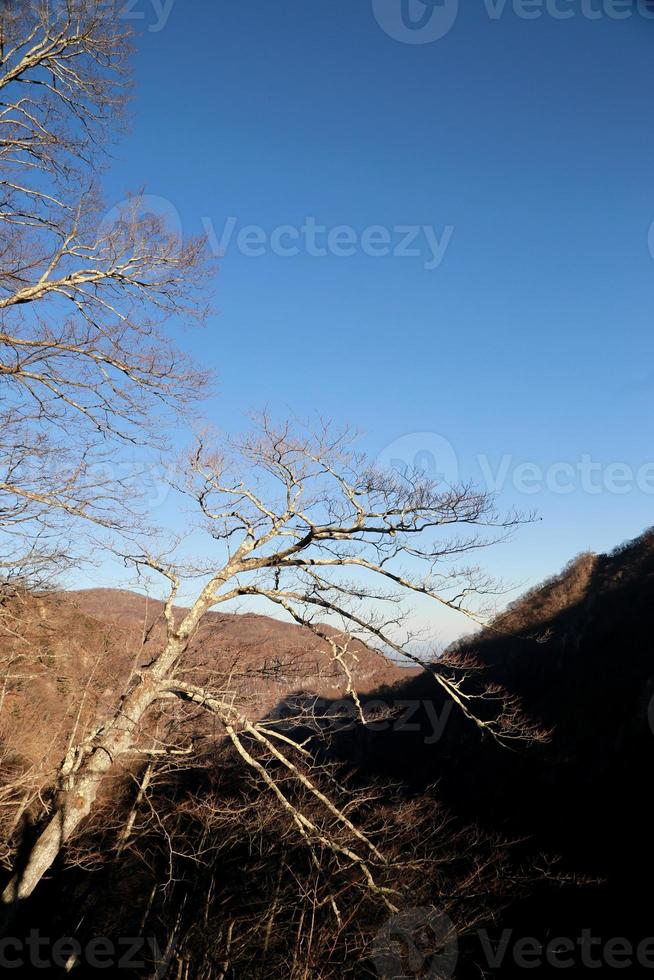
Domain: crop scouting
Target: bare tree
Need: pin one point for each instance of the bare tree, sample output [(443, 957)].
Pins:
[(238, 892), (298, 521), (294, 520), (83, 291)]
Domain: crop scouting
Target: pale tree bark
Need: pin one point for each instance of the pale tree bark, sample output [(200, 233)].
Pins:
[(86, 366), (90, 383), (291, 513)]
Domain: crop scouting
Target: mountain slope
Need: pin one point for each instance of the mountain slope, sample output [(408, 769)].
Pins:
[(578, 652), (543, 840)]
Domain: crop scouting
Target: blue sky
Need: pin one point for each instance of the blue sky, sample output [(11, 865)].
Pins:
[(529, 139)]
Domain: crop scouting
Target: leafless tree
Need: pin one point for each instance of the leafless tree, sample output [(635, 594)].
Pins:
[(84, 291), (238, 892), (290, 519), (299, 521)]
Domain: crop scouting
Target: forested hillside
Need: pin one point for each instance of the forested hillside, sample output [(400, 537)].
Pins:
[(530, 837)]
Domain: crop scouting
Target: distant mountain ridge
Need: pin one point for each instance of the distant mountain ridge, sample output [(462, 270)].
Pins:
[(252, 638)]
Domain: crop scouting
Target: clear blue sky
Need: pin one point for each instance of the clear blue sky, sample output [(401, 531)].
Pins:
[(532, 138)]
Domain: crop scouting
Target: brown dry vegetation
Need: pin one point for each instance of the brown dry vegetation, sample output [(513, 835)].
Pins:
[(67, 657), (204, 833), (195, 850), (192, 775)]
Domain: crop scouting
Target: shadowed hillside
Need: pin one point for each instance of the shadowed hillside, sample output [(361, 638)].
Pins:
[(543, 839), (578, 652)]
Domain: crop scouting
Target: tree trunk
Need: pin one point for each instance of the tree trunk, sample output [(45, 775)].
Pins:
[(75, 801)]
